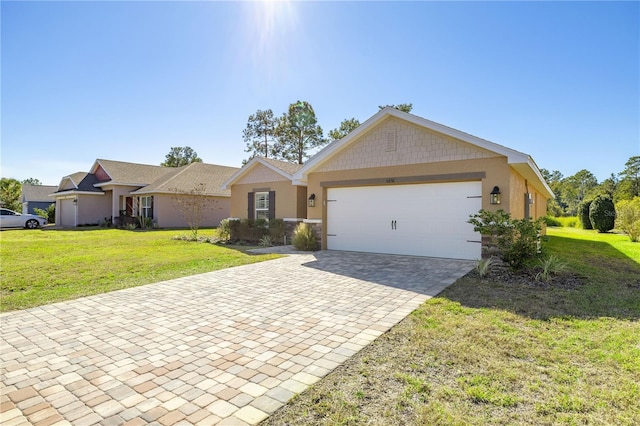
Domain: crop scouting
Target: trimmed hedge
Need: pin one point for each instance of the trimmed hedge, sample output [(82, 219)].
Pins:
[(583, 214), (602, 213), (251, 230)]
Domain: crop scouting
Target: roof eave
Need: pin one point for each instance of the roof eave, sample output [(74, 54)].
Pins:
[(249, 166), (107, 183), (529, 170), (75, 192), (164, 191)]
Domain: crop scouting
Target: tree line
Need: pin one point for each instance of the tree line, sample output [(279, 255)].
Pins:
[(571, 191)]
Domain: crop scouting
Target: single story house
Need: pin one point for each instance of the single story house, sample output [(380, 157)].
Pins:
[(255, 186), (36, 197), (397, 184), (112, 190)]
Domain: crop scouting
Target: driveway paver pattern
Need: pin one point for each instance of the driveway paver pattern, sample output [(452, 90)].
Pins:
[(225, 347)]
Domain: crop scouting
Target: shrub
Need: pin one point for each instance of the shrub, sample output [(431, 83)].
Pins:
[(304, 238), (552, 221), (583, 214), (248, 229), (224, 229), (569, 221), (49, 213), (265, 241), (602, 213), (483, 266), (628, 218), (550, 266), (517, 240), (276, 230)]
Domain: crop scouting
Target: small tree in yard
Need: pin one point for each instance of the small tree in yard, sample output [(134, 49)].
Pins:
[(192, 206), (628, 218), (602, 213), (517, 240)]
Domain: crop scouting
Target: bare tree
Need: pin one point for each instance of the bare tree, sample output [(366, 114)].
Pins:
[(192, 206)]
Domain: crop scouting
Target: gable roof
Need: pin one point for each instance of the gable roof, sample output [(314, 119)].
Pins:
[(130, 174), (521, 162), (283, 168), (37, 192), (183, 180), (81, 181), (75, 178)]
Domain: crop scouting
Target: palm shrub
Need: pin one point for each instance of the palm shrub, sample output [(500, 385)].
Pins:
[(628, 218), (265, 241), (304, 238), (483, 266), (583, 214), (550, 266), (602, 213), (517, 240)]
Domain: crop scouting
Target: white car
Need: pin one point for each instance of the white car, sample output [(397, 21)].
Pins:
[(11, 219)]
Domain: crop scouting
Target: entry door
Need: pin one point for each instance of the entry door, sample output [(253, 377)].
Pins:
[(416, 219)]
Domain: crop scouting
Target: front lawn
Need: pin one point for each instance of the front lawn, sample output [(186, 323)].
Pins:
[(486, 352), (39, 267)]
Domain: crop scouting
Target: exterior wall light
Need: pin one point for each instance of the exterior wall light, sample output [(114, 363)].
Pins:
[(312, 200), (495, 195), (75, 201)]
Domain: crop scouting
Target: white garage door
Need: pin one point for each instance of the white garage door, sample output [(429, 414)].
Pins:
[(67, 212), (421, 219)]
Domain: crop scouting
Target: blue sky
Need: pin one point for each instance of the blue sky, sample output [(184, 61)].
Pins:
[(128, 80)]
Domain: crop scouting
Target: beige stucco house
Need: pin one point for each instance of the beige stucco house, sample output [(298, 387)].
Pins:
[(114, 189), (257, 185), (397, 184)]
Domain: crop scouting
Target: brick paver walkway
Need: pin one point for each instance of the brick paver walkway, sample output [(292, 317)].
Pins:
[(225, 347)]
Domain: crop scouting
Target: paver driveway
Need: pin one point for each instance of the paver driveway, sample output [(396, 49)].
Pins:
[(226, 347)]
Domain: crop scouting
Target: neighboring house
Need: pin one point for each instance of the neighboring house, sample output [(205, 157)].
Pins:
[(114, 189), (36, 197), (402, 184)]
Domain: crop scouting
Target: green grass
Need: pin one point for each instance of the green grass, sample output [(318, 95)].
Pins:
[(493, 353), (39, 267)]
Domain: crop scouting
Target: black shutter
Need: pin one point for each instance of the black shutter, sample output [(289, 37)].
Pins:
[(272, 204), (151, 207), (251, 208)]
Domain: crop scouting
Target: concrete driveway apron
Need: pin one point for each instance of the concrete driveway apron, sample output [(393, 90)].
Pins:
[(225, 347)]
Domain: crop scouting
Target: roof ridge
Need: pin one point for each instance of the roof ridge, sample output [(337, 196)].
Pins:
[(170, 175)]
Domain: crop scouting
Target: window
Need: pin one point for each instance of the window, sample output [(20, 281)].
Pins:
[(262, 205), (146, 206)]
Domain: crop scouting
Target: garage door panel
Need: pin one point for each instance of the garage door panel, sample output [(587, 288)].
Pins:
[(67, 213), (430, 219)]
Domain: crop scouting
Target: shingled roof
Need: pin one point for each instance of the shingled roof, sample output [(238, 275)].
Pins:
[(152, 179), (285, 166), (286, 169), (124, 173), (82, 181), (38, 193), (185, 179)]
